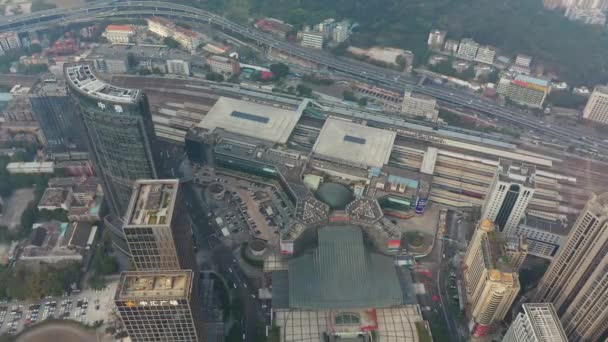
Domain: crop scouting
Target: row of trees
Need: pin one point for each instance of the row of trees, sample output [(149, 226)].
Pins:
[(576, 51), (22, 283)]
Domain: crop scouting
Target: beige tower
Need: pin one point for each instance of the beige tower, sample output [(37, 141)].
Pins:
[(490, 276), (577, 279), (157, 228)]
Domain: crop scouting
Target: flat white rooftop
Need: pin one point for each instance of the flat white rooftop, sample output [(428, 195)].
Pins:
[(84, 78), (354, 143), (251, 119)]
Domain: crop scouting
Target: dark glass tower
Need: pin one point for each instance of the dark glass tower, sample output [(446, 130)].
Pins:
[(120, 136), (58, 117), (119, 130)]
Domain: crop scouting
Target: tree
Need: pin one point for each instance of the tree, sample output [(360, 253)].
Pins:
[(131, 61), (171, 43), (280, 70), (304, 91), (214, 76), (362, 102), (348, 95), (562, 98)]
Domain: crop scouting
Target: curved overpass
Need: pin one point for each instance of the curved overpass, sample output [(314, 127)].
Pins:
[(388, 78)]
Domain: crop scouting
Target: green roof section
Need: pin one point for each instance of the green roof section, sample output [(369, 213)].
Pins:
[(341, 274), (336, 195)]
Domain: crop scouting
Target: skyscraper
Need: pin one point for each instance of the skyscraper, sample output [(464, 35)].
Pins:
[(596, 108), (57, 117), (157, 228), (159, 306), (118, 126), (577, 279), (490, 271), (509, 195), (537, 323)]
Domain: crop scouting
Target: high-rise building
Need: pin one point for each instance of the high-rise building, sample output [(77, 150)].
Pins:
[(157, 228), (9, 41), (526, 90), (485, 54), (467, 49), (419, 105), (436, 39), (490, 272), (57, 117), (596, 108), (159, 306), (340, 32), (118, 126), (523, 60), (576, 281), (537, 323), (510, 192)]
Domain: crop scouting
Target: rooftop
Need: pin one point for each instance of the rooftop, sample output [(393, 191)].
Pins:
[(251, 119), (545, 323), (83, 77), (154, 285), (119, 28), (520, 173), (342, 273), (555, 227), (152, 202), (354, 143), (53, 197), (533, 80)]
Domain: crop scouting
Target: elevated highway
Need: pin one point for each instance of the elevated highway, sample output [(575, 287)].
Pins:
[(356, 69)]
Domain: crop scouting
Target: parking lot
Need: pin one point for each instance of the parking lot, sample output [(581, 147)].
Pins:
[(254, 208), (87, 307)]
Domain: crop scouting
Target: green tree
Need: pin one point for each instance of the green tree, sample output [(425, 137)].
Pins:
[(348, 95), (304, 91), (562, 98), (214, 76), (238, 10), (362, 101), (131, 61), (280, 70), (171, 43)]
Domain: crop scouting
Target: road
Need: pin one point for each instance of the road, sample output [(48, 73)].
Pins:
[(222, 260), (356, 69)]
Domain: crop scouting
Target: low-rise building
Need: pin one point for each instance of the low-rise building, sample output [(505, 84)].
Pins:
[(55, 198), (485, 54), (119, 34), (57, 242), (164, 28), (273, 26), (524, 90), (419, 105), (30, 167), (178, 67), (312, 40), (596, 108), (223, 65), (467, 49)]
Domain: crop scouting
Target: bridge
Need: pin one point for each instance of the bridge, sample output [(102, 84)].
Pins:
[(387, 78)]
